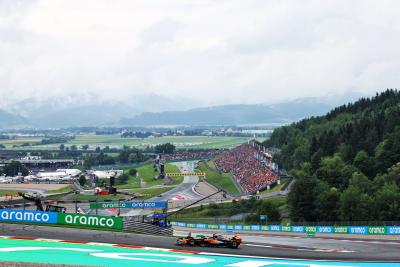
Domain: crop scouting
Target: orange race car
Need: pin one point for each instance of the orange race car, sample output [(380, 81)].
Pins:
[(207, 241)]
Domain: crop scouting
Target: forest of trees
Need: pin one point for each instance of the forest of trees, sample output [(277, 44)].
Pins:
[(346, 163), (166, 148)]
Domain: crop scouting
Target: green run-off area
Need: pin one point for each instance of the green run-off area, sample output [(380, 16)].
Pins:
[(97, 255)]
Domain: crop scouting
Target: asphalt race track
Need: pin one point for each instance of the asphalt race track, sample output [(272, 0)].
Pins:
[(185, 188), (274, 247)]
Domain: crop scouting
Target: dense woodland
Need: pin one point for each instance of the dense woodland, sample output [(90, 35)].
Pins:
[(346, 163)]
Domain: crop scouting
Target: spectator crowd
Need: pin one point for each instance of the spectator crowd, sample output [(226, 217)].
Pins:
[(251, 166)]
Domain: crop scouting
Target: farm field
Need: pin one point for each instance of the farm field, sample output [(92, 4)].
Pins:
[(115, 141), (181, 142), (18, 141)]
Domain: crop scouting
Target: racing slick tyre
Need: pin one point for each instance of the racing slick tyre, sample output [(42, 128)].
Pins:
[(234, 244)]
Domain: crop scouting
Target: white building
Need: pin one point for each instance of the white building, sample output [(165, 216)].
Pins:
[(106, 174)]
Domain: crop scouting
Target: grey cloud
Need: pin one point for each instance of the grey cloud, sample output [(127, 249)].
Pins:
[(234, 51), (162, 31)]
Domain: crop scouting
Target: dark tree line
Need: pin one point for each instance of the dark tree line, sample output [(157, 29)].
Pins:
[(126, 155), (166, 148), (136, 134), (15, 168), (346, 163), (56, 139)]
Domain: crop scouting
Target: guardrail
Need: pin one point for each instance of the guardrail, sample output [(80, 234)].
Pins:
[(355, 230)]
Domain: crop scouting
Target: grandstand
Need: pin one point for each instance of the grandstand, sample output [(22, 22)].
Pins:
[(192, 155), (250, 165)]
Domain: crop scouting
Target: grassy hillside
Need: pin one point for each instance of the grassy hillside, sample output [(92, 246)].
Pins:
[(215, 212), (220, 180)]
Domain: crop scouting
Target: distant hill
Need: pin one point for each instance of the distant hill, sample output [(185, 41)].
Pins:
[(150, 109), (8, 119), (233, 114), (346, 163), (74, 111)]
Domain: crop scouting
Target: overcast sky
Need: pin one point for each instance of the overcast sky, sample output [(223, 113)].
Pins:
[(220, 51)]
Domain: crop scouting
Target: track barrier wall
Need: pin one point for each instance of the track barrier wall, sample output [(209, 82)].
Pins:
[(91, 221), (28, 216), (67, 219), (354, 230), (116, 223)]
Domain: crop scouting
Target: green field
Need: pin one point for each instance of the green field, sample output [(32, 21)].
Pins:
[(147, 173), (18, 141), (115, 141), (65, 189), (4, 192), (149, 192), (74, 197), (220, 180), (181, 142)]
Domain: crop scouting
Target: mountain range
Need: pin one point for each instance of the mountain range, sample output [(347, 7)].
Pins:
[(232, 114), (154, 110)]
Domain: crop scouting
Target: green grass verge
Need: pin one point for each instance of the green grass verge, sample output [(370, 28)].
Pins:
[(220, 180), (147, 173), (98, 197), (277, 187), (64, 189), (150, 192), (4, 192)]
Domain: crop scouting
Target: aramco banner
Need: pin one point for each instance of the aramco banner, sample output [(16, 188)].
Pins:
[(90, 221), (130, 205), (28, 216)]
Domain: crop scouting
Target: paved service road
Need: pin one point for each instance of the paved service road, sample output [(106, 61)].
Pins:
[(284, 247)]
